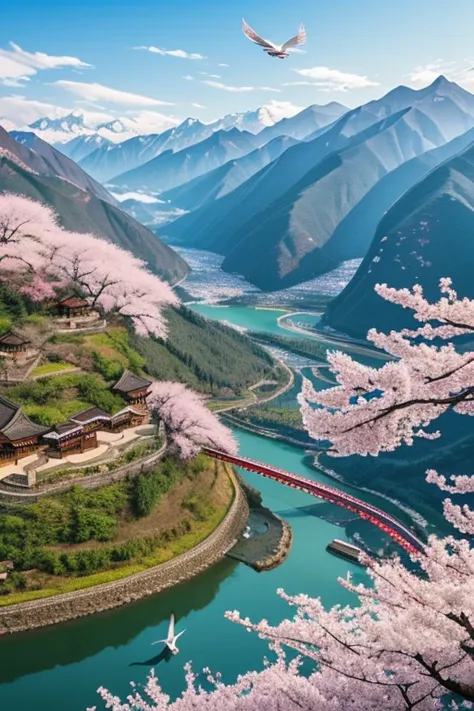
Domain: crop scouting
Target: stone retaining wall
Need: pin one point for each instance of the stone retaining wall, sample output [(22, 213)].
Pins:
[(283, 551), (67, 606), (15, 494)]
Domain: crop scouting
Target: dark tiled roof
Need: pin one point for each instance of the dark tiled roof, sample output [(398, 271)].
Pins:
[(93, 413), (130, 382), (63, 429), (73, 302), (20, 426), (12, 338), (7, 411)]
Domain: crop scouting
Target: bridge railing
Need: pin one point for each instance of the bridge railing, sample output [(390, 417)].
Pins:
[(315, 487)]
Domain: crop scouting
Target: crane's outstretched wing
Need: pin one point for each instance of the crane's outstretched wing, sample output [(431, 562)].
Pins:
[(300, 38), (171, 627), (248, 32)]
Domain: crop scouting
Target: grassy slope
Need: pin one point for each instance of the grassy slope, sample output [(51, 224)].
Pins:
[(211, 489)]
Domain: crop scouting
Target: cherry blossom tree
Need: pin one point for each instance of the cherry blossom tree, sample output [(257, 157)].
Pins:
[(189, 424), (42, 258), (409, 643)]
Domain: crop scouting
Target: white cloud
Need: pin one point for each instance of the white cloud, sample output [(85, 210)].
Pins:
[(213, 76), (181, 53), (22, 111), (198, 106), (222, 65), (334, 80), (149, 121), (188, 77), (426, 74), (139, 197), (17, 65), (277, 110), (18, 112), (237, 89), (98, 92)]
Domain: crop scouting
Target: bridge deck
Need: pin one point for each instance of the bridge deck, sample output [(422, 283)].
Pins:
[(395, 529)]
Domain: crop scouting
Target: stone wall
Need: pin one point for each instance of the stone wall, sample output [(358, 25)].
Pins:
[(59, 608), (9, 493)]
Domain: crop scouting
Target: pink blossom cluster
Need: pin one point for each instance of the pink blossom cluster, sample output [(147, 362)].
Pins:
[(188, 423), (409, 643), (42, 258), (376, 410)]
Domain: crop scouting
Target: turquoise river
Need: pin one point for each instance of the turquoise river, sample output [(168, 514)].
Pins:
[(59, 668)]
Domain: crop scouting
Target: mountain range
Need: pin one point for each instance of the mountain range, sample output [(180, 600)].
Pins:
[(426, 235), (281, 200), (170, 169), (299, 216), (44, 174)]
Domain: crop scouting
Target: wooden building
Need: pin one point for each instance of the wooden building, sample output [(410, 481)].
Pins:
[(133, 388), (19, 436), (13, 343), (92, 419), (69, 438), (73, 306)]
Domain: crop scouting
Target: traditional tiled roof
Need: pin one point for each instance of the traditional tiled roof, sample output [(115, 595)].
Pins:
[(66, 428), (14, 424), (132, 410), (73, 302), (89, 415), (130, 382), (12, 338)]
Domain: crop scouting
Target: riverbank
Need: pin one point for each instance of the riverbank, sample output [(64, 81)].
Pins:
[(269, 537), (345, 342), (253, 399), (270, 434), (60, 608)]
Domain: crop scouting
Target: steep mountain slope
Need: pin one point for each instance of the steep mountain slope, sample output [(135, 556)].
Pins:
[(305, 233), (227, 177), (83, 212), (108, 161), (426, 235), (307, 222), (305, 122), (363, 219), (449, 106), (170, 169), (46, 160), (81, 146), (213, 225)]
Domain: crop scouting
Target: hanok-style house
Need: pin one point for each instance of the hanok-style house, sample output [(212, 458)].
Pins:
[(134, 389), (19, 436), (92, 419), (73, 306), (69, 438), (13, 343)]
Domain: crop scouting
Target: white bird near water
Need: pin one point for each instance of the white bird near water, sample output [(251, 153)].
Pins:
[(274, 50), (170, 641)]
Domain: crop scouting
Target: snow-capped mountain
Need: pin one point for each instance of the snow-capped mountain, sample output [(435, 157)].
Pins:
[(62, 130), (255, 121), (108, 161), (81, 146)]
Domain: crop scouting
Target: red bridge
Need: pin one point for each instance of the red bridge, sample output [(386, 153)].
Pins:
[(395, 529)]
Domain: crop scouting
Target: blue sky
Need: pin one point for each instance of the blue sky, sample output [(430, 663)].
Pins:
[(356, 50)]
